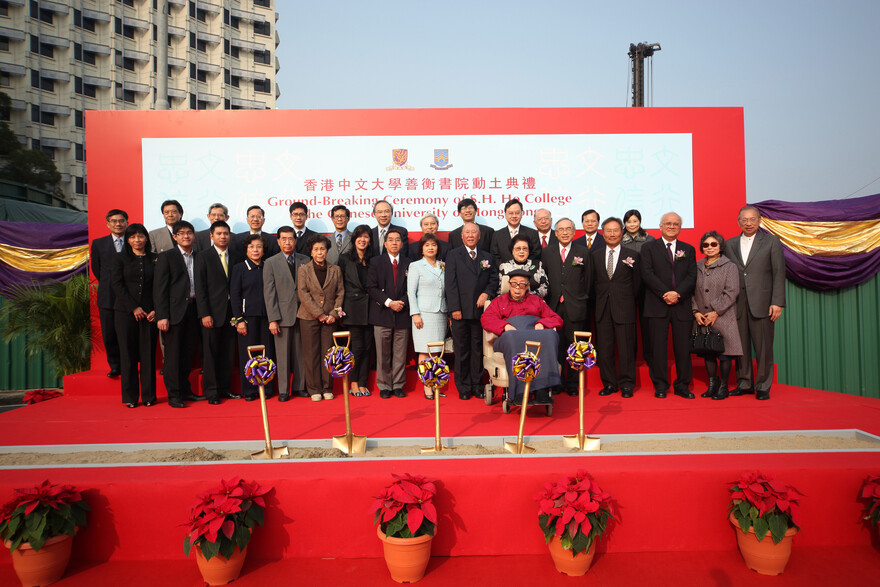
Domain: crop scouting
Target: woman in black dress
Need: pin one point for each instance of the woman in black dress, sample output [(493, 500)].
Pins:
[(249, 308), (355, 264), (135, 317)]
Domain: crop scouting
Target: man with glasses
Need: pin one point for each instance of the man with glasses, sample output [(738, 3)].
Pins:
[(256, 217), (544, 226), (216, 212), (101, 258), (340, 238), (299, 213), (513, 212), (669, 271), (383, 211)]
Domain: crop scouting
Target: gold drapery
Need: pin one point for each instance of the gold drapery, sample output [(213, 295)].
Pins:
[(44, 260), (826, 239)]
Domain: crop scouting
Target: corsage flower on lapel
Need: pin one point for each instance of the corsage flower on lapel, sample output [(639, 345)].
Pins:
[(577, 261), (629, 262), (484, 264), (679, 254)]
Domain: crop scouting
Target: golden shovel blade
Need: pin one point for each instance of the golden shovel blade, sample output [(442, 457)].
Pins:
[(586, 444), (354, 444), (278, 452), (515, 448)]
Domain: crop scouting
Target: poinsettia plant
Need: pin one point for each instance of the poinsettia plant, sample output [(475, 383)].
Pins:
[(224, 518), (405, 508), (38, 513), (871, 492), (766, 504), (576, 510), (36, 396)]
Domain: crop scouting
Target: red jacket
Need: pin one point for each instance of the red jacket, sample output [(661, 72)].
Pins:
[(495, 316)]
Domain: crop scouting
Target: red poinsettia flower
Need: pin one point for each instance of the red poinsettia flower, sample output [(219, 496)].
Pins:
[(403, 507), (575, 509)]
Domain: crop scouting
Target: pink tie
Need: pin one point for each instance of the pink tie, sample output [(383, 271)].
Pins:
[(563, 254)]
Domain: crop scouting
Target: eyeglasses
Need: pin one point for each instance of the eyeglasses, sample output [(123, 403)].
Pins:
[(518, 285), (708, 245)]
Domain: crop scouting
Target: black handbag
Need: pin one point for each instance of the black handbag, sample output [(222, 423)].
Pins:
[(705, 341)]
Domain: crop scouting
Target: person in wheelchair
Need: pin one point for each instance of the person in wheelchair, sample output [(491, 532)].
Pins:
[(519, 316)]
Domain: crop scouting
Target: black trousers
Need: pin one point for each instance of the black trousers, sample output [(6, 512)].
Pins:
[(467, 338), (570, 378), (180, 347), (611, 336), (658, 331), (110, 338), (361, 342), (257, 333), (218, 358), (137, 348)]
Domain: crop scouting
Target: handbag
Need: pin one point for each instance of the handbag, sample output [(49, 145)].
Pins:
[(706, 341)]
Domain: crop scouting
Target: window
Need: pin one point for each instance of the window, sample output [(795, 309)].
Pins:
[(233, 52), (47, 50), (35, 79), (117, 25), (192, 40), (90, 91), (5, 81), (263, 3), (78, 85), (226, 104), (35, 44), (202, 46), (47, 84), (234, 81), (117, 58), (264, 57), (89, 24), (225, 16), (42, 117), (155, 32), (37, 12), (4, 43), (226, 76), (128, 63), (89, 57), (201, 16), (234, 22), (192, 101), (262, 28), (80, 152), (192, 71), (77, 18), (226, 46), (5, 113), (80, 185), (118, 91), (50, 151), (192, 9), (4, 8), (202, 75), (202, 105), (77, 51), (35, 144), (128, 96), (262, 86), (128, 32), (78, 121), (128, 3)]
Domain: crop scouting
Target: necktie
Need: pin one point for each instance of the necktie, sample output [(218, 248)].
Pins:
[(473, 255), (224, 263), (563, 254), (118, 243), (299, 234), (589, 242), (610, 267), (543, 241), (382, 239), (338, 243), (394, 271), (671, 260)]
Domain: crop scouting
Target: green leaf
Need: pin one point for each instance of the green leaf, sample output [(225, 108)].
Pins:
[(580, 543), (256, 513), (761, 528), (186, 546), (227, 547), (778, 528), (209, 549)]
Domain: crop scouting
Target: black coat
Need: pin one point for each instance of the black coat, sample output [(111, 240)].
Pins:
[(381, 286), (467, 279), (102, 253), (615, 297), (302, 243), (404, 234), (598, 241), (356, 303), (171, 286), (657, 272), (501, 244), (568, 279), (212, 286), (246, 289), (132, 281)]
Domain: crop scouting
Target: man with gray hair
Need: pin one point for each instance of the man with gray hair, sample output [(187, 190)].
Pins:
[(216, 212), (383, 211)]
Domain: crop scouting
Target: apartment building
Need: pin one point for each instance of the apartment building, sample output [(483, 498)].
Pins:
[(59, 59)]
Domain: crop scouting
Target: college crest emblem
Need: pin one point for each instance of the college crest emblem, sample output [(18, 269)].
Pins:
[(441, 159), (399, 158)]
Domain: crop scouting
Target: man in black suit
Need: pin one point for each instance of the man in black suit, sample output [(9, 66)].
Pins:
[(212, 268), (383, 211), (389, 314), (669, 271), (429, 225), (615, 279), (592, 237), (256, 217), (340, 238), (567, 267), (761, 264), (161, 239), (467, 211), (299, 213), (471, 279), (544, 226), (216, 212), (174, 295), (513, 212), (103, 250)]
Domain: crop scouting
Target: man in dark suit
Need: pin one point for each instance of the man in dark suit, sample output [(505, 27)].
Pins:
[(471, 279), (299, 213), (340, 238), (256, 217), (513, 212), (669, 271), (383, 211), (429, 225), (216, 212), (467, 211), (615, 279), (101, 258), (544, 226), (212, 268), (567, 266), (389, 315), (161, 239), (592, 237), (174, 296), (761, 264), (282, 303)]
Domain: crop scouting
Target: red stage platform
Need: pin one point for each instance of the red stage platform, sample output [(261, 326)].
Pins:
[(673, 503)]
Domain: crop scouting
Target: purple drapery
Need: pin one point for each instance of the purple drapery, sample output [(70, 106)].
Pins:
[(827, 273), (40, 235)]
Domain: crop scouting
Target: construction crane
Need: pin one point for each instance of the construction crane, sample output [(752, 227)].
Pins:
[(638, 54)]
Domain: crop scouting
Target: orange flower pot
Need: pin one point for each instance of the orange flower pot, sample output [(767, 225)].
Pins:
[(763, 556), (221, 570), (44, 567), (407, 558), (565, 561)]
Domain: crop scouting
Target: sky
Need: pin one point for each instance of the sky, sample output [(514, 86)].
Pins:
[(806, 73)]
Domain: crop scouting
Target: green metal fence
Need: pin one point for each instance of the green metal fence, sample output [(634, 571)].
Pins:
[(831, 340), (20, 371)]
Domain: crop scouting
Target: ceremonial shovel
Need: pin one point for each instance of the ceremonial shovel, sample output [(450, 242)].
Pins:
[(438, 446), (580, 441), (270, 452), (348, 443), (519, 447)]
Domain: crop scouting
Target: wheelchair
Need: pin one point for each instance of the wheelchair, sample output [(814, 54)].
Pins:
[(493, 362)]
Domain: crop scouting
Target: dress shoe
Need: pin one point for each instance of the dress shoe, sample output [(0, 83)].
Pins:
[(176, 403), (607, 391), (130, 405), (113, 373), (232, 395), (282, 397), (385, 393), (316, 397), (464, 395), (721, 392), (572, 392), (660, 394), (148, 404), (542, 396), (301, 393), (762, 395), (250, 398), (398, 393), (214, 401), (191, 397), (741, 391), (328, 395), (479, 393), (686, 394), (626, 393)]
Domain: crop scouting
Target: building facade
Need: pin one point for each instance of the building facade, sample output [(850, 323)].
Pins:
[(59, 59)]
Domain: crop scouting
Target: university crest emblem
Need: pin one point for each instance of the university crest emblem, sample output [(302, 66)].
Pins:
[(441, 159), (399, 157)]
